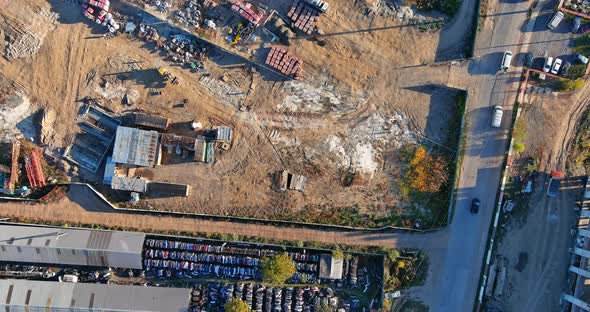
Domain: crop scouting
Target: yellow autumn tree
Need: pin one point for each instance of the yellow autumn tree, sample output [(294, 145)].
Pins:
[(426, 173)]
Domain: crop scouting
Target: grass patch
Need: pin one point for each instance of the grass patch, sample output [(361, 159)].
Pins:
[(582, 45), (580, 157), (576, 71)]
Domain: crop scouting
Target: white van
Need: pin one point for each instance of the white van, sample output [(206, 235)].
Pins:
[(555, 20), (497, 117), (506, 59)]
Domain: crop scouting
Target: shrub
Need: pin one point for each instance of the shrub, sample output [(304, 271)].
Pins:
[(518, 147), (278, 269), (570, 85), (236, 305)]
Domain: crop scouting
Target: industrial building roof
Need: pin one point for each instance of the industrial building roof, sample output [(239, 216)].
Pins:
[(45, 296), (62, 246), (136, 147), (164, 189)]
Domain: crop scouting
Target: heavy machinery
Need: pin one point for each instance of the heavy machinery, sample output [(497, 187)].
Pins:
[(167, 76)]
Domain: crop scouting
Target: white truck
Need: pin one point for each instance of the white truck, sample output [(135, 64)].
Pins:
[(323, 6)]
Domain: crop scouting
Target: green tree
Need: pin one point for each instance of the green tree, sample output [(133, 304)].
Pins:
[(236, 305), (278, 269), (518, 147)]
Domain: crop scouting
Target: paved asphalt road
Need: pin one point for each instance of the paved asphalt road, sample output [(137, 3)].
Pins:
[(456, 284)]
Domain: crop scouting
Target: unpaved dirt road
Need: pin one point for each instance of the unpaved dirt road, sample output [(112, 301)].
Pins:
[(543, 235)]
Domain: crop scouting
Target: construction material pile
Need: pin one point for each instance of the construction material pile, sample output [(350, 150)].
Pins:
[(98, 11), (249, 12), (286, 63), (24, 45), (305, 13)]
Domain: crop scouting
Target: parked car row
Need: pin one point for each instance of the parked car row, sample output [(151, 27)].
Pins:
[(259, 298), (176, 268), (218, 249), (201, 257)]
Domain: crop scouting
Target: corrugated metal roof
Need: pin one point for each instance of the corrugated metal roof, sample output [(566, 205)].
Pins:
[(48, 245), (109, 171), (136, 147), (39, 295)]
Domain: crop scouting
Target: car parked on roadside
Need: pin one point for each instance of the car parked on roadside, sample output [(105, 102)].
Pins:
[(548, 63), (576, 24), (565, 67), (506, 60), (555, 20), (580, 58), (556, 66), (528, 62), (475, 204)]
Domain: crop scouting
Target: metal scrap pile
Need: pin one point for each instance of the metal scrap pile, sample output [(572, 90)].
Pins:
[(305, 13), (186, 51), (286, 63), (191, 15), (148, 33)]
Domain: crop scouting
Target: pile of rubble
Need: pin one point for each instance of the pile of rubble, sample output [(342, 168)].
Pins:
[(286, 63), (24, 45), (305, 13)]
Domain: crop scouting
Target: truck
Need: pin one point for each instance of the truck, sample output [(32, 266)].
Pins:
[(322, 6), (554, 182)]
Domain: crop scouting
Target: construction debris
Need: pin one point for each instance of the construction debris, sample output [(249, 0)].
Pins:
[(288, 181), (23, 46), (287, 64), (129, 184), (150, 121)]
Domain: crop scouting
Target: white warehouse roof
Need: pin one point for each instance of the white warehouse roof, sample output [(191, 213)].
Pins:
[(24, 295), (49, 245)]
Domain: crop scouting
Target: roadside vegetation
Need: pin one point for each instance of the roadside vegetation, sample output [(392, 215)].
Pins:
[(580, 157), (519, 134), (570, 85), (449, 7), (404, 270), (278, 269)]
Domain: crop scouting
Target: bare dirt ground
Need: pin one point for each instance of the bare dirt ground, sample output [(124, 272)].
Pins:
[(364, 95), (536, 235)]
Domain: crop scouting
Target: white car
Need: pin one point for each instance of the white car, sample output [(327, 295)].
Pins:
[(556, 66), (548, 63), (506, 60)]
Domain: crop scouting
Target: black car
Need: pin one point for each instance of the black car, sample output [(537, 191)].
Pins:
[(528, 62), (565, 67), (475, 203)]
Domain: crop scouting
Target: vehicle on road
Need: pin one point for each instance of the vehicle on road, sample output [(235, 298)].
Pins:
[(555, 20), (556, 66), (565, 68), (548, 63), (497, 117), (506, 60), (528, 62), (554, 182), (580, 58), (576, 24), (475, 204)]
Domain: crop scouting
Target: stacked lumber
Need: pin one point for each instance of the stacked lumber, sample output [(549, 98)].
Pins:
[(286, 63), (304, 16)]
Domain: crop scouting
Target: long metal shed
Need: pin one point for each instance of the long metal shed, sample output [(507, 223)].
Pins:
[(63, 246), (25, 295)]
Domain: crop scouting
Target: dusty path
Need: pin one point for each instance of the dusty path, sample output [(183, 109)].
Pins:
[(65, 211)]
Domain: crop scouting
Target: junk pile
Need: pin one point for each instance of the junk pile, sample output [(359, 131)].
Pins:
[(148, 33), (181, 49), (287, 64), (98, 11), (305, 13), (190, 15)]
